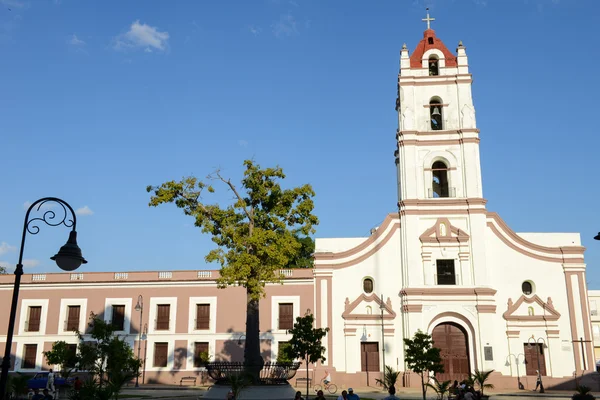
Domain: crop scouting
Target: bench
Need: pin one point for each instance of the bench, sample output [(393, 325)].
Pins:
[(303, 380), (188, 379)]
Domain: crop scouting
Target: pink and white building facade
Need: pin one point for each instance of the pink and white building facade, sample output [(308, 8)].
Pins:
[(443, 264)]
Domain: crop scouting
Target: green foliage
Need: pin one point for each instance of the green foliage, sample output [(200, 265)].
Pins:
[(283, 353), (480, 378), (62, 356), (260, 233), (441, 389), (421, 357), (306, 343), (390, 377), (238, 381), (304, 258), (583, 393), (3, 270), (17, 384)]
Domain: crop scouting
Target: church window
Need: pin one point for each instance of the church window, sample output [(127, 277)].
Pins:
[(430, 40), (368, 285), (439, 184), (527, 288), (369, 310), (433, 66), (435, 115), (445, 272)]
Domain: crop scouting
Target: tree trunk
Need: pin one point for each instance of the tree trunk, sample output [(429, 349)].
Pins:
[(306, 361), (252, 358), (423, 387)]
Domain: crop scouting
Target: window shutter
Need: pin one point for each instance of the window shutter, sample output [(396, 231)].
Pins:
[(160, 354), (163, 316), (73, 318), (202, 316), (29, 356), (286, 316), (35, 315), (118, 317), (199, 348)]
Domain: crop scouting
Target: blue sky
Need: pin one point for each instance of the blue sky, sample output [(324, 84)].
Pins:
[(100, 99)]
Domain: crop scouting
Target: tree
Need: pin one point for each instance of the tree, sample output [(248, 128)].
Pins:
[(440, 388), (63, 356), (108, 359), (306, 343), (421, 357), (480, 378), (390, 377), (256, 236), (3, 270)]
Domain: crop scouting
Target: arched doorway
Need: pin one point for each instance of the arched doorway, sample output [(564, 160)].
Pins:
[(452, 340)]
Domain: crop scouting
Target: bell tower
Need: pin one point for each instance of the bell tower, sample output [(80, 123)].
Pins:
[(438, 141)]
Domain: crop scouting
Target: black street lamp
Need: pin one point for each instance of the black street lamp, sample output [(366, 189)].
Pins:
[(597, 237), (517, 362), (539, 343), (68, 258), (139, 307)]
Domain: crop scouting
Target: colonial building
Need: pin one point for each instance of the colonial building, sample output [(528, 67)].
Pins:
[(441, 263)]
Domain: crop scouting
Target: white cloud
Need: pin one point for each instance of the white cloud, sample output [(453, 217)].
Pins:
[(142, 36), (75, 41), (286, 26), (255, 30), (14, 3), (6, 248), (30, 263), (83, 211), (243, 143)]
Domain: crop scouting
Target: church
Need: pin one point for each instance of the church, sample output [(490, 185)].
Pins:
[(446, 265), (442, 263)]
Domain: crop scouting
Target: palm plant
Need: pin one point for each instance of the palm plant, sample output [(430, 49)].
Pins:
[(480, 377), (440, 388), (583, 393), (390, 377)]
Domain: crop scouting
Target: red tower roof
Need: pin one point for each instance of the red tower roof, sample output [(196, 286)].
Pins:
[(424, 45)]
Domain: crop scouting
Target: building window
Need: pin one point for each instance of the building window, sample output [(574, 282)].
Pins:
[(72, 318), (200, 354), (161, 352), (286, 316), (29, 356), (433, 66), (430, 40), (439, 184), (368, 285), (435, 114), (118, 317), (35, 316), (527, 288), (71, 355), (369, 356), (163, 315), (202, 316), (445, 272)]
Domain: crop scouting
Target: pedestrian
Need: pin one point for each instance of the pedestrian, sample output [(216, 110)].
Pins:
[(37, 395), (298, 396), (230, 395), (50, 382), (47, 395), (470, 394), (343, 396), (320, 395), (538, 382), (352, 395), (392, 392)]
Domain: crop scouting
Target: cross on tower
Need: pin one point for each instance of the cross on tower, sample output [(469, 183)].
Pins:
[(428, 20)]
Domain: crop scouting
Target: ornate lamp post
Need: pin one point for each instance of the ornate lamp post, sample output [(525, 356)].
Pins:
[(597, 237), (68, 258), (536, 342), (519, 384), (139, 307), (145, 337), (382, 307)]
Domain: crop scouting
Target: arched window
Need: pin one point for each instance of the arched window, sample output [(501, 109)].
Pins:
[(433, 66), (530, 311), (368, 285), (439, 185), (435, 115), (527, 288)]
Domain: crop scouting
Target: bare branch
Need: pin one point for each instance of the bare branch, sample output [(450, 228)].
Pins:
[(234, 190)]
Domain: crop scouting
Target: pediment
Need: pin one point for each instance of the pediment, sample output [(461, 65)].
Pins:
[(531, 309), (443, 232), (368, 307)]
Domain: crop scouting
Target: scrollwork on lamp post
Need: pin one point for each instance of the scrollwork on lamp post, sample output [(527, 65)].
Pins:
[(68, 258), (139, 307)]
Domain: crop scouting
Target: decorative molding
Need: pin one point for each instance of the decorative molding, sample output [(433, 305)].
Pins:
[(443, 231), (412, 308), (349, 307), (486, 309), (513, 334), (547, 306), (448, 291)]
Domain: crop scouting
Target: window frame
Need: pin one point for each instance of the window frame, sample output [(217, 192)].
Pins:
[(368, 278), (26, 346), (439, 264)]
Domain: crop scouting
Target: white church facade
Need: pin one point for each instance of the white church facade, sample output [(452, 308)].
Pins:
[(441, 263), (445, 264)]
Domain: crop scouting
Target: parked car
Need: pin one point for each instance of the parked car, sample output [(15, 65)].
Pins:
[(40, 380)]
